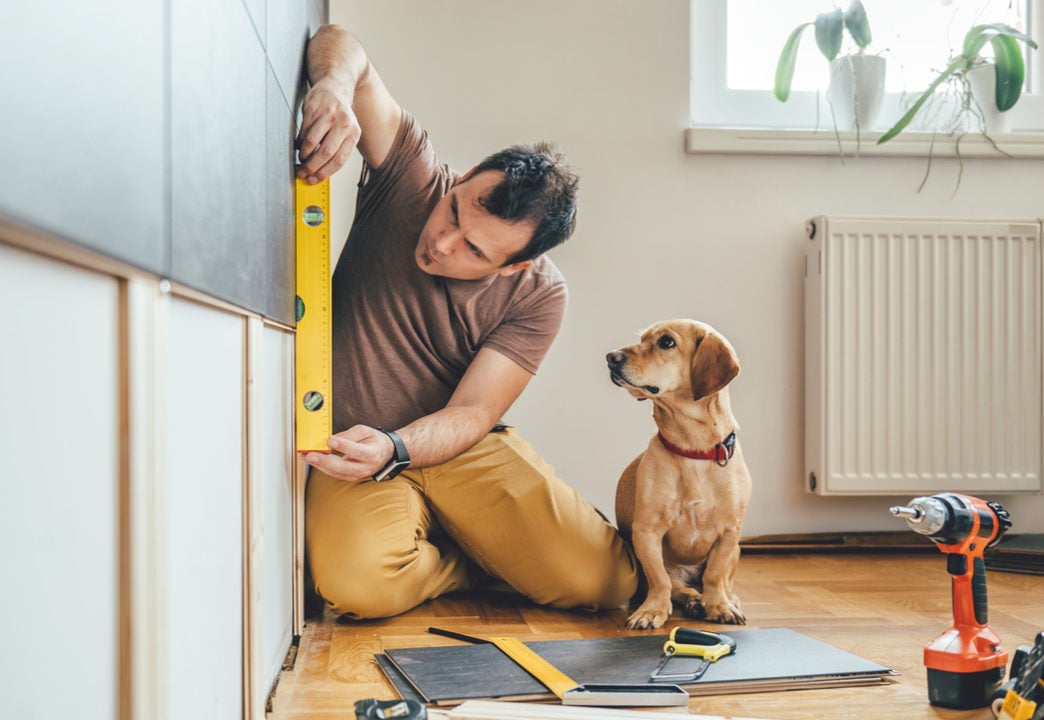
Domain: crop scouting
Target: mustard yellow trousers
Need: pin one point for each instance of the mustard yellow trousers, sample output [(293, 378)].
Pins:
[(379, 549)]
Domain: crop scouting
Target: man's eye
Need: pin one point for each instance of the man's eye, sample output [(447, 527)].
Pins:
[(666, 342), (474, 250)]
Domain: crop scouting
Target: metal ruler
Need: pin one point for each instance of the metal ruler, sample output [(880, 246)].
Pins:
[(313, 373)]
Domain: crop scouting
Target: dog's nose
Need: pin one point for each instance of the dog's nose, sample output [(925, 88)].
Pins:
[(615, 358)]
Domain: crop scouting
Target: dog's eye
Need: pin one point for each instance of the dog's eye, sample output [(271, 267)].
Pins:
[(666, 342)]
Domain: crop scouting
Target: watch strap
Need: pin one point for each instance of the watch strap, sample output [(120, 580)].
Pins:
[(399, 461)]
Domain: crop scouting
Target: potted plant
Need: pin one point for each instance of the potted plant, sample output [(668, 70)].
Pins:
[(856, 79), (968, 72)]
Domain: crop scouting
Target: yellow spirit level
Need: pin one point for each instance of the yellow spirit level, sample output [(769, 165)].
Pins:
[(313, 374)]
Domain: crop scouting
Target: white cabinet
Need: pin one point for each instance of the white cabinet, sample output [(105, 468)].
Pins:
[(147, 495), (203, 503), (59, 490)]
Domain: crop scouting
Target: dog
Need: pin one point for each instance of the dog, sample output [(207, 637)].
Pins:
[(683, 499)]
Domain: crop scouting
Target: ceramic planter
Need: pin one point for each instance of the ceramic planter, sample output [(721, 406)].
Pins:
[(855, 90), (982, 79)]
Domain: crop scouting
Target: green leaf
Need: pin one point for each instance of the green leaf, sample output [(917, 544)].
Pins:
[(978, 35), (828, 33), (955, 65), (857, 23), (787, 60), (1009, 69)]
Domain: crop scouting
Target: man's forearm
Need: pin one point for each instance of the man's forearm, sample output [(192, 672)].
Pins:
[(335, 54), (443, 435)]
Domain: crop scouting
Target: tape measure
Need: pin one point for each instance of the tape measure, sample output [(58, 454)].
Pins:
[(313, 364)]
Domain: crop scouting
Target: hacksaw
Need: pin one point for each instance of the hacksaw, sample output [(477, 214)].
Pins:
[(313, 373)]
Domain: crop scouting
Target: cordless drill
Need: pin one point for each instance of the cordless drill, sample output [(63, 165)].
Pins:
[(966, 663)]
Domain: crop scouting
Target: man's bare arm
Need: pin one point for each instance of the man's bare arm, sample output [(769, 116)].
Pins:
[(489, 387), (347, 106)]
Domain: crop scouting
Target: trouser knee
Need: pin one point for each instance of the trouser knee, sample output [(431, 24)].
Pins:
[(605, 584), (358, 586)]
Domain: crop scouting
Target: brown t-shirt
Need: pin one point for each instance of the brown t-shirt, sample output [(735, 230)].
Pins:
[(402, 339)]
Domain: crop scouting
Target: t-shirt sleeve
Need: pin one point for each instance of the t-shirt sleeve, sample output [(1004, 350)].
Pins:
[(527, 332), (409, 170)]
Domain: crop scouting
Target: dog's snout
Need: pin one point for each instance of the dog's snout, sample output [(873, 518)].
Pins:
[(615, 359)]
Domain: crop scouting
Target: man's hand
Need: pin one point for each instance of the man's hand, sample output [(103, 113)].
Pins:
[(329, 132), (358, 453)]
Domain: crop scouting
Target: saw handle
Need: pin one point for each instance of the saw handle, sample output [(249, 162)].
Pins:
[(700, 643)]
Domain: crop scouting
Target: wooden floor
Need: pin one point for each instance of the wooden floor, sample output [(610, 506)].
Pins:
[(883, 607)]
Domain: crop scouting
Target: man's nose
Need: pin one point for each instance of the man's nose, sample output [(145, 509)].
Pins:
[(446, 242)]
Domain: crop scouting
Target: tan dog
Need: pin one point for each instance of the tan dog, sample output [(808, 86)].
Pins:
[(684, 513)]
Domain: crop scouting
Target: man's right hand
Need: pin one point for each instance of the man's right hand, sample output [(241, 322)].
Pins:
[(358, 453), (347, 105), (329, 132)]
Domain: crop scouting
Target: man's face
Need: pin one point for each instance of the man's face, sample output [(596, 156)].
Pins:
[(462, 240)]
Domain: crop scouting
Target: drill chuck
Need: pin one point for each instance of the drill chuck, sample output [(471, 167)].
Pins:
[(925, 515)]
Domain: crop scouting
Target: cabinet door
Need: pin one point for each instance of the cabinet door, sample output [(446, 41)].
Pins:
[(277, 510), (203, 494), (59, 486)]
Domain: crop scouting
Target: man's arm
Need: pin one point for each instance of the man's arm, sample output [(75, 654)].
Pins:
[(347, 105), (489, 387)]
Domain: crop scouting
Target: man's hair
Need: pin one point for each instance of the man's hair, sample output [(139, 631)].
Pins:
[(538, 187)]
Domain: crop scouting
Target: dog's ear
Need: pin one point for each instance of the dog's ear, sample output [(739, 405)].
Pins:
[(714, 365)]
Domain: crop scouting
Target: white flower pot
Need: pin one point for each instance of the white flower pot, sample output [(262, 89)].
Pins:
[(983, 82), (855, 90)]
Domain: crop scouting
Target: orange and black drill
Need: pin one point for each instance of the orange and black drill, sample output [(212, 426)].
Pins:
[(966, 663)]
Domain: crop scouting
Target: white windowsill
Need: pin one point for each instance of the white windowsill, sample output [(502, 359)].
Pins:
[(755, 141)]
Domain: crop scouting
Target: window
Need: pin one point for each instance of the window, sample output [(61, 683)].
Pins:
[(735, 45)]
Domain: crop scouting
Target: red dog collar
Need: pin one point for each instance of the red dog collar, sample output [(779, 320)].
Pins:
[(720, 453)]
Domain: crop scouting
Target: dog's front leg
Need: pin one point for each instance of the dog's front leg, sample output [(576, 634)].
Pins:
[(719, 601), (648, 546)]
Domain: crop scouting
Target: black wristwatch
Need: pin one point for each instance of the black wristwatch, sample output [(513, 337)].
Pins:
[(400, 459)]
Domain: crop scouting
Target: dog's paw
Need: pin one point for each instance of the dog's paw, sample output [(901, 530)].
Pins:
[(694, 609), (726, 613), (648, 617)]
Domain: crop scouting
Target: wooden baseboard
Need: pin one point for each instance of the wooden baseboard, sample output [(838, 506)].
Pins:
[(838, 542)]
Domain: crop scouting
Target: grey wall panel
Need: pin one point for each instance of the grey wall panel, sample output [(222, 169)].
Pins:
[(318, 14), (286, 41), (82, 136), (218, 151), (279, 192), (257, 11)]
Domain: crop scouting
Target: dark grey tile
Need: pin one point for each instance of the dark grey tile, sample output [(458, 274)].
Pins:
[(286, 40), (82, 133), (218, 148), (279, 191)]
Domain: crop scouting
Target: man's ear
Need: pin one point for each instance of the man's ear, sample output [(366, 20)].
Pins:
[(514, 268), (714, 365)]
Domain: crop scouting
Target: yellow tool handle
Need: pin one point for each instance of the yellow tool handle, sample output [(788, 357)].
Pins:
[(708, 652), (1016, 707), (554, 679)]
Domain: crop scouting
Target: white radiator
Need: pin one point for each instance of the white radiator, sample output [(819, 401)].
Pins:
[(922, 356)]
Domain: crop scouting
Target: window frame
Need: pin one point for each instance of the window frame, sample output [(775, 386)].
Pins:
[(713, 106)]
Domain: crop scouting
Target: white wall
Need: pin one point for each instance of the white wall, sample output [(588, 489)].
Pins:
[(661, 233)]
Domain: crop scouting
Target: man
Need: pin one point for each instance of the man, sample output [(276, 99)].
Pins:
[(443, 306)]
